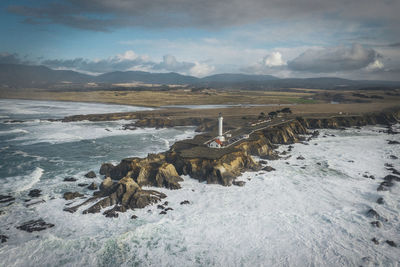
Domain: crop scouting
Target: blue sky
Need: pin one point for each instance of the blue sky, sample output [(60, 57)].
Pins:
[(355, 39)]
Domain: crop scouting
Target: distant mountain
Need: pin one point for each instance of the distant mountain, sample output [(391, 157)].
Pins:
[(18, 76), (234, 78), (145, 77)]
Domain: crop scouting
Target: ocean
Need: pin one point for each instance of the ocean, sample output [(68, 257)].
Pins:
[(310, 212)]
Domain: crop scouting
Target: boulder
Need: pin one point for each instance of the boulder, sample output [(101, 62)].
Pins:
[(83, 185), (393, 157), (393, 142), (92, 186), (373, 214), (239, 183), (90, 174), (71, 195), (376, 242), (185, 202), (384, 186), (70, 179), (106, 169), (300, 158), (391, 243), (134, 217), (380, 201), (268, 169), (35, 193), (3, 238), (35, 225), (376, 224)]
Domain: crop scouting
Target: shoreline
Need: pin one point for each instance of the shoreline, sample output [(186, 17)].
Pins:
[(122, 186)]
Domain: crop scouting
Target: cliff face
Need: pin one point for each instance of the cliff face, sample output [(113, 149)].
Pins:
[(163, 170), (122, 186)]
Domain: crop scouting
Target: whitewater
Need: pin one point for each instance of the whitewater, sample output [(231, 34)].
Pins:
[(309, 212)]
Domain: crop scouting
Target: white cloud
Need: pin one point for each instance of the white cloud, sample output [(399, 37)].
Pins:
[(201, 69), (376, 65), (274, 60)]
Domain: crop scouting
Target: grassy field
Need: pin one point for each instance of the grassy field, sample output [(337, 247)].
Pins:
[(163, 98)]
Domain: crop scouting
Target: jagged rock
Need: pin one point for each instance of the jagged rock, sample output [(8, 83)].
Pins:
[(239, 183), (3, 238), (106, 185), (391, 178), (393, 142), (168, 177), (376, 242), (165, 203), (167, 209), (185, 202), (70, 179), (271, 157), (6, 198), (35, 225), (393, 157), (163, 212), (35, 193), (394, 171), (300, 158), (376, 224), (83, 185), (71, 195), (391, 243), (90, 174), (34, 203), (106, 168), (380, 201), (384, 186), (373, 214), (268, 169), (92, 186), (161, 207)]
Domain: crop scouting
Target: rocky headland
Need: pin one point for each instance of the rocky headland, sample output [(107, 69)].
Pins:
[(122, 186)]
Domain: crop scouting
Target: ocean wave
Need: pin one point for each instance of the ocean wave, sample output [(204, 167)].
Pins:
[(34, 179), (14, 131)]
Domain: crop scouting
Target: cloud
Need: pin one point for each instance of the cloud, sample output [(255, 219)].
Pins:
[(334, 59), (121, 62), (103, 15), (170, 63), (274, 60), (201, 69), (376, 65), (127, 61)]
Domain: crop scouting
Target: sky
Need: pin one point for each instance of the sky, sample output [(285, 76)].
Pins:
[(355, 39)]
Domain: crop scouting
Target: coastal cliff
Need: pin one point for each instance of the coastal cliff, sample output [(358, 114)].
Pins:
[(123, 182)]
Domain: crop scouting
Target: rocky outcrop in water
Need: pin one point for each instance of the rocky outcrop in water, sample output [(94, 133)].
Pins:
[(35, 225), (122, 188)]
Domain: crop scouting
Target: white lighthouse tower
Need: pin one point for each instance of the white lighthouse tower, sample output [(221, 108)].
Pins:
[(220, 126)]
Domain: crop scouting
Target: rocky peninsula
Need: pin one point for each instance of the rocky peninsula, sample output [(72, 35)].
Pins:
[(122, 187)]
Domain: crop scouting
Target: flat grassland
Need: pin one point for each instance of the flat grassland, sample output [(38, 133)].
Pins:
[(310, 102)]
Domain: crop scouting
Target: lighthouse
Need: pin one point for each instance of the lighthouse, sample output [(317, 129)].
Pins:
[(220, 126)]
